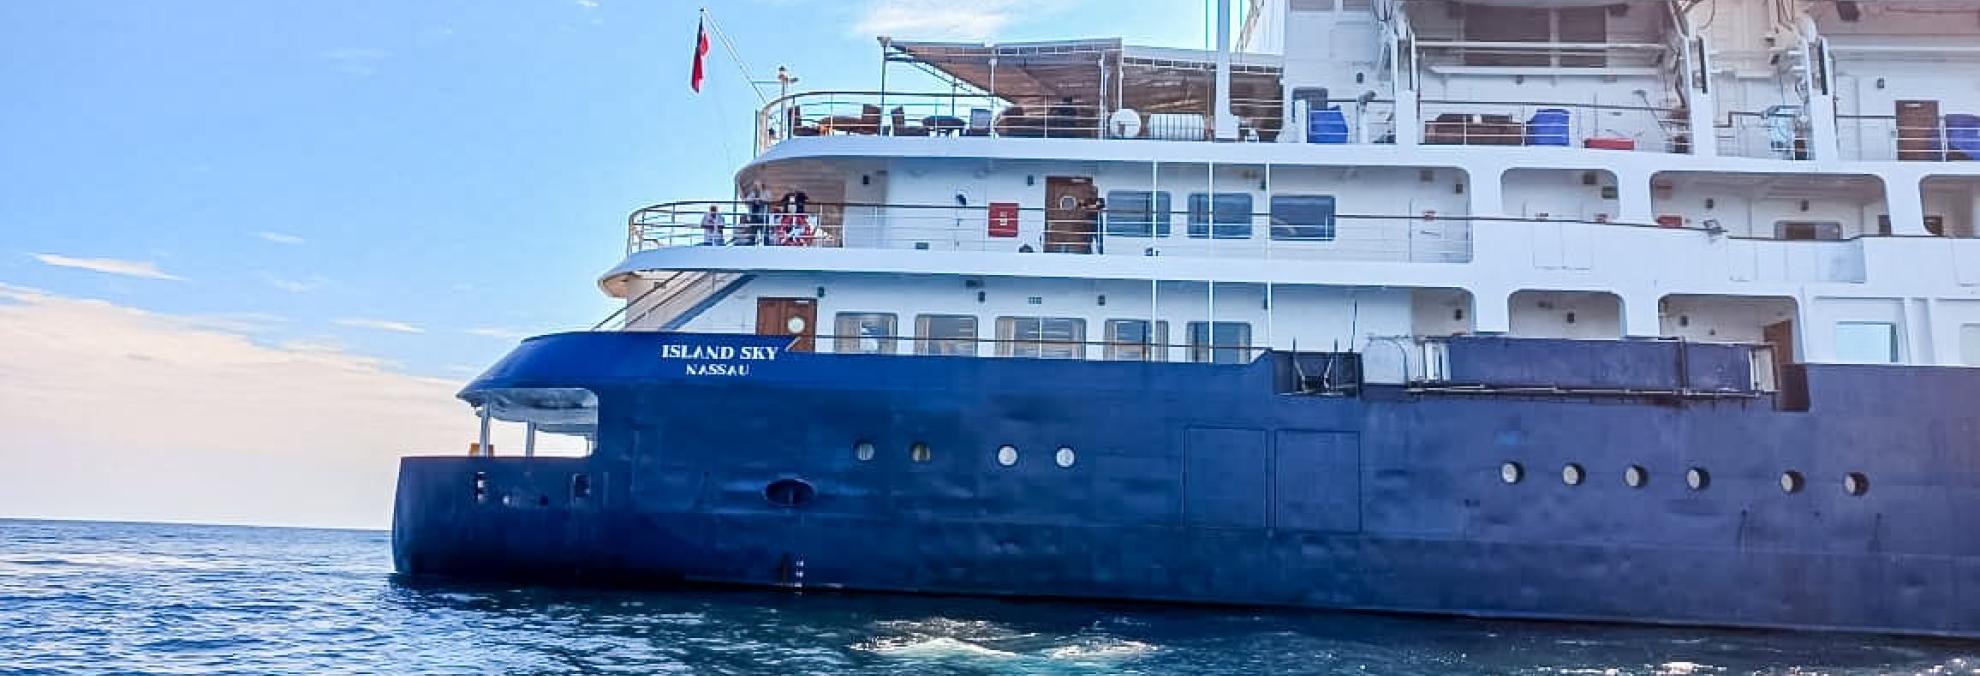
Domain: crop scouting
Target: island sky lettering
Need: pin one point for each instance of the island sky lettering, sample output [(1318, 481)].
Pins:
[(718, 360)]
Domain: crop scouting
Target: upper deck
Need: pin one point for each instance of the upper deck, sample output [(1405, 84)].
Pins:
[(1782, 80)]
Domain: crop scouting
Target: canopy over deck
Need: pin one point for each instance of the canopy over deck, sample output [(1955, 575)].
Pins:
[(1103, 73)]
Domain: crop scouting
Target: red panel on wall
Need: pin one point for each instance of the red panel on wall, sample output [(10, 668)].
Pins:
[(1003, 219)]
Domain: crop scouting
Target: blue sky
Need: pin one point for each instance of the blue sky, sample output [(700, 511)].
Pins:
[(333, 171), (248, 249)]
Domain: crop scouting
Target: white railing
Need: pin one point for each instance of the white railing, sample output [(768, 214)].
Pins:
[(1534, 123), (908, 114)]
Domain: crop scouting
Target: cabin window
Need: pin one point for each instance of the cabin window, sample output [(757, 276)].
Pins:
[(1221, 343), (1866, 343), (1497, 23), (946, 334), (1137, 213), (1131, 340), (1226, 214), (1312, 5), (1969, 344), (864, 333), (1808, 230), (1042, 337), (1307, 218)]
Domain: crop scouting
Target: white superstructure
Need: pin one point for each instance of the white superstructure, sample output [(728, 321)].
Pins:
[(1787, 172)]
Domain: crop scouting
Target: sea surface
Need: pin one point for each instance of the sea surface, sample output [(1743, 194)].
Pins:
[(79, 597)]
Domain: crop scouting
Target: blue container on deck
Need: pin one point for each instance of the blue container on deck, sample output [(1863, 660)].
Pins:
[(1326, 125), (1549, 127)]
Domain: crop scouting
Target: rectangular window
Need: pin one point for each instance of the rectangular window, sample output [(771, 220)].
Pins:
[(1228, 215), (864, 333), (1969, 344), (1308, 218), (1130, 340), (1137, 213), (946, 334), (1221, 343), (1866, 343), (1043, 337)]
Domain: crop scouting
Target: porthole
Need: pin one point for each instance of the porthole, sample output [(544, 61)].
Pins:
[(1791, 482), (863, 451), (789, 492), (1572, 474), (1007, 455), (1511, 472), (1065, 456), (1636, 476), (1697, 478), (919, 452), (1854, 483)]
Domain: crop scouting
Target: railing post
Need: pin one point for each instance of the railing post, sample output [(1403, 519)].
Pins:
[(529, 440)]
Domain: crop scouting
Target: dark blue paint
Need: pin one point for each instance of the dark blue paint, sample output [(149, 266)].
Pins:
[(1202, 483)]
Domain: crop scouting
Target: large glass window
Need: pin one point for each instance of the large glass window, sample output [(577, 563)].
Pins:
[(864, 333), (1220, 343), (1137, 213), (1969, 344), (1228, 215), (1044, 337), (946, 334), (1131, 340), (1303, 217), (1866, 343)]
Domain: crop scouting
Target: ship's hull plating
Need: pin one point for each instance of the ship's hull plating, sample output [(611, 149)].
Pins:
[(1202, 483)]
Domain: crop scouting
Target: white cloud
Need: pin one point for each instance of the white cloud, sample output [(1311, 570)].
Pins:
[(279, 237), (295, 285), (358, 61), (497, 332), (588, 4), (118, 413), (943, 19), (109, 266), (379, 325)]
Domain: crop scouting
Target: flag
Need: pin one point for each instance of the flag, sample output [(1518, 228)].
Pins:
[(700, 54)]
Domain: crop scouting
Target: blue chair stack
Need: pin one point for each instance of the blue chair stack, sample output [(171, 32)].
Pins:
[(1549, 127), (1326, 125)]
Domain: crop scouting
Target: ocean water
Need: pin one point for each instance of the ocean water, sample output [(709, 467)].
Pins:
[(135, 598)]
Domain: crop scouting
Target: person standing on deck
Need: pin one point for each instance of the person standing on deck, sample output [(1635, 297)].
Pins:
[(711, 227)]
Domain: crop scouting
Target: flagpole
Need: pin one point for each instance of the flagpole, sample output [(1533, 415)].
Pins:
[(708, 20)]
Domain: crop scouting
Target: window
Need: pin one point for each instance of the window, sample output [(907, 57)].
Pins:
[(864, 333), (1228, 215), (1572, 474), (1493, 23), (1044, 337), (946, 334), (1225, 343), (1866, 343), (1137, 213), (1969, 344), (1130, 340), (1805, 230), (1303, 217)]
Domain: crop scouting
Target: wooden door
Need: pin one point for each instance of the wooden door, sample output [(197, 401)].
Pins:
[(1918, 131), (1780, 336), (1072, 214), (789, 317)]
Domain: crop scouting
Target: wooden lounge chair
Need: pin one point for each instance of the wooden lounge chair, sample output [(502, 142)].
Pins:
[(901, 126)]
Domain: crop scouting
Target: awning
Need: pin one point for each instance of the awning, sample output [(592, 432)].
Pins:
[(1103, 72)]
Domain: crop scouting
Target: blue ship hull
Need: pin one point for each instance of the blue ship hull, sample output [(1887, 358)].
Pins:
[(1215, 483)]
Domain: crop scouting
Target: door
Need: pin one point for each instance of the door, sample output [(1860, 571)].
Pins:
[(1780, 336), (1918, 131), (1072, 214), (789, 317)]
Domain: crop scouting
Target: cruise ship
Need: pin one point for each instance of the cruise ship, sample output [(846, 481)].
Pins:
[(1658, 311)]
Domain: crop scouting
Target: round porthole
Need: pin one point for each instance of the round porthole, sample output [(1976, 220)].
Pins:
[(1636, 476), (789, 492), (1511, 472), (919, 452), (795, 324), (1791, 482), (1697, 478), (1854, 483), (863, 451), (1065, 456), (1572, 474), (1007, 455)]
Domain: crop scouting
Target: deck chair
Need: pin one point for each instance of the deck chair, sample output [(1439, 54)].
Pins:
[(901, 126), (979, 122)]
